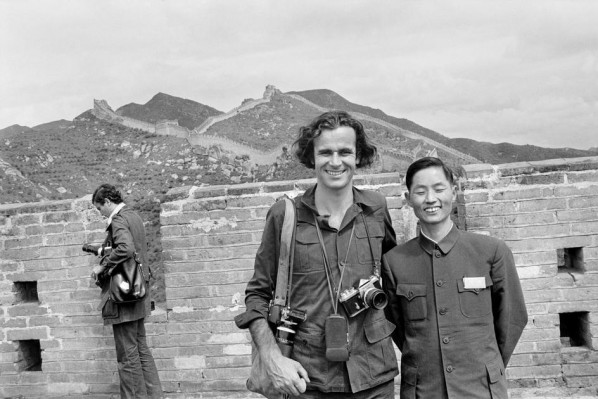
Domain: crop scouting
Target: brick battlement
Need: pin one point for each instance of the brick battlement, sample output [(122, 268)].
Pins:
[(547, 212)]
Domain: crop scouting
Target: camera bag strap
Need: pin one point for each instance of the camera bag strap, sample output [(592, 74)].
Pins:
[(285, 259)]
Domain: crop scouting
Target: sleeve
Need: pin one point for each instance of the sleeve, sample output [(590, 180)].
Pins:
[(393, 308), (508, 305), (261, 286), (123, 246)]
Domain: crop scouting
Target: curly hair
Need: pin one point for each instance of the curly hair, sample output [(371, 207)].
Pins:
[(106, 191), (304, 145)]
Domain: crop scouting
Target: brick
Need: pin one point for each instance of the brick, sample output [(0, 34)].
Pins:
[(66, 239), (544, 179), (588, 176), (177, 193), (25, 220), (27, 334), (209, 192), (16, 243), (61, 217), (583, 202), (205, 205), (45, 229), (544, 371), (251, 202), (250, 189), (542, 205)]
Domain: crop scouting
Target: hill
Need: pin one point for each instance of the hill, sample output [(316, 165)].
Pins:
[(189, 114), (69, 159), (484, 151), (13, 131)]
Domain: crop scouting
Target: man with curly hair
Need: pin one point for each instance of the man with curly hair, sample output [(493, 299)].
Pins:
[(341, 234)]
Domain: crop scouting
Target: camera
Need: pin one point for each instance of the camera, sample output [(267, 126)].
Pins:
[(285, 321), (95, 249), (90, 248), (367, 294)]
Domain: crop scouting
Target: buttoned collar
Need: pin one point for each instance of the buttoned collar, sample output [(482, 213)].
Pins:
[(445, 245)]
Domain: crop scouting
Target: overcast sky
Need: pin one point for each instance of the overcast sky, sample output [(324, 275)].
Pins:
[(524, 72)]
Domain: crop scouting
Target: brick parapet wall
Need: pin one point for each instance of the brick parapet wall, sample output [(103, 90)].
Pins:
[(209, 239), (542, 209)]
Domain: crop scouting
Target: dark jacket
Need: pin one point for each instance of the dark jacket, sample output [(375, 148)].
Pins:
[(372, 360), (455, 340), (126, 236)]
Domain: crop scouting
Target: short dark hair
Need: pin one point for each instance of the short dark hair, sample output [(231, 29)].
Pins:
[(304, 145), (424, 163), (106, 191)]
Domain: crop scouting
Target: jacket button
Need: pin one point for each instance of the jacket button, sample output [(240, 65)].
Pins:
[(450, 369), (443, 311), (439, 283), (446, 340), (437, 254)]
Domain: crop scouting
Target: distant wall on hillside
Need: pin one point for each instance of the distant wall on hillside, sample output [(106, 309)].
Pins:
[(53, 344)]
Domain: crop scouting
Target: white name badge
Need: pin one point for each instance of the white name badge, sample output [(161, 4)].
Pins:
[(471, 283)]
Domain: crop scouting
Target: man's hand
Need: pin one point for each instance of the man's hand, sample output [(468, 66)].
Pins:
[(286, 375), (96, 271)]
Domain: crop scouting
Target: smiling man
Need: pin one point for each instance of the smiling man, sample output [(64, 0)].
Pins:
[(455, 297), (341, 234)]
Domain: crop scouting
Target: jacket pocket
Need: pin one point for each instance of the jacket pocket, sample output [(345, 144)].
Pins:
[(413, 301), (497, 380), (380, 351), (310, 351), (364, 255), (110, 310), (408, 381), (476, 302), (308, 251)]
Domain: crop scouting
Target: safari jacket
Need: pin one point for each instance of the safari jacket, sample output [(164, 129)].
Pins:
[(126, 235), (455, 340), (372, 358)]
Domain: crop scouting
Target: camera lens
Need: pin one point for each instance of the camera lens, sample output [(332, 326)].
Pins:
[(285, 337), (375, 298)]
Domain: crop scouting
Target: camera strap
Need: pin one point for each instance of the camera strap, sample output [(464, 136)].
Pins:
[(376, 271), (331, 287), (285, 260)]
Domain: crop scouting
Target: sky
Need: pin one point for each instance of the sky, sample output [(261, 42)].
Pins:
[(524, 72)]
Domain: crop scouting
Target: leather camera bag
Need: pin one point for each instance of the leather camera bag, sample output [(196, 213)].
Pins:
[(127, 282)]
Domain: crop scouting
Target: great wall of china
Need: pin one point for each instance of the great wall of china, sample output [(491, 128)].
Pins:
[(198, 136)]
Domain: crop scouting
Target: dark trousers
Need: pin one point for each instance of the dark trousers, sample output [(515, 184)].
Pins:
[(136, 367), (386, 390)]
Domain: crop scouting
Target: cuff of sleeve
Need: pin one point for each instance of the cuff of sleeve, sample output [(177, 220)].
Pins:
[(243, 320)]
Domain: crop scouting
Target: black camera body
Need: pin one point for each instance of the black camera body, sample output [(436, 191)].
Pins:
[(95, 249), (285, 319), (90, 248), (368, 294)]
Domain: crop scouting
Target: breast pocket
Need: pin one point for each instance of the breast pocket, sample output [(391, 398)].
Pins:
[(476, 302), (364, 255), (308, 252), (413, 301)]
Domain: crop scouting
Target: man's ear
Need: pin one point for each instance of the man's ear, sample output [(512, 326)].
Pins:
[(407, 198)]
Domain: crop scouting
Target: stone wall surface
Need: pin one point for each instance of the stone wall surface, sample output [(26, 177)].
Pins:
[(547, 212)]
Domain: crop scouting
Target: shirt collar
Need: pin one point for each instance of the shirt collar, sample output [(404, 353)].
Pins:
[(360, 200), (114, 212), (445, 245)]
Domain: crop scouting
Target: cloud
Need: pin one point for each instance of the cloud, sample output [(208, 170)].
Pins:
[(496, 71)]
